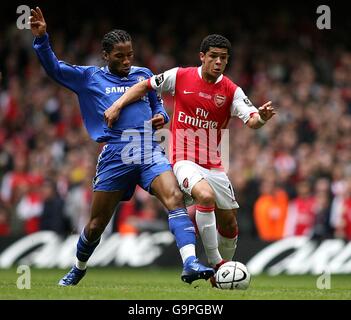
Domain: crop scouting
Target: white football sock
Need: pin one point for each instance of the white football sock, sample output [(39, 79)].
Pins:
[(227, 246), (81, 265), (206, 224), (187, 251)]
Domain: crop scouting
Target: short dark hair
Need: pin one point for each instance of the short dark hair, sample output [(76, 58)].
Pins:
[(216, 41), (113, 37)]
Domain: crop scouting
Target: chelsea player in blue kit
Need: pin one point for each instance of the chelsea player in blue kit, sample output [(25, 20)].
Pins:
[(97, 88)]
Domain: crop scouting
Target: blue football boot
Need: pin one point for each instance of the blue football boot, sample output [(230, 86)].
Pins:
[(72, 277), (194, 270)]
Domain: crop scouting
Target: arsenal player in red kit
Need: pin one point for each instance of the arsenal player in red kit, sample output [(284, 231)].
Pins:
[(204, 102)]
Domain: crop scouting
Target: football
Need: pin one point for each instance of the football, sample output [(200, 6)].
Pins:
[(232, 275)]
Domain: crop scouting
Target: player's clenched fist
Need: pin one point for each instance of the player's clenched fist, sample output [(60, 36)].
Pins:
[(111, 115), (158, 121)]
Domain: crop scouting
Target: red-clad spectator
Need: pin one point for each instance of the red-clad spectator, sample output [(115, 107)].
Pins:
[(41, 127), (341, 212), (18, 181), (5, 228), (29, 210), (301, 212)]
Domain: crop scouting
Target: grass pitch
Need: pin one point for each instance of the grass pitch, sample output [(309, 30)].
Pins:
[(165, 284)]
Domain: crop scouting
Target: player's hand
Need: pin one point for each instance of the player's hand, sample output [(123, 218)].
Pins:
[(266, 111), (158, 121), (37, 22), (111, 115)]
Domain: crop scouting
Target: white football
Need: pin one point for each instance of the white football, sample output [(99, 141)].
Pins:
[(233, 275)]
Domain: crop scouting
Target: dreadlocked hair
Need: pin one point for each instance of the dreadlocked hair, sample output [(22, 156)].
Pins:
[(113, 37), (216, 41)]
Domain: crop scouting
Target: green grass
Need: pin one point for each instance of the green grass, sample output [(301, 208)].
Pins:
[(160, 284)]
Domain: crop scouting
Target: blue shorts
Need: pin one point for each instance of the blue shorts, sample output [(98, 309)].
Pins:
[(116, 172)]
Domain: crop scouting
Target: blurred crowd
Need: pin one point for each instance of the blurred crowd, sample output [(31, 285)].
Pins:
[(291, 177)]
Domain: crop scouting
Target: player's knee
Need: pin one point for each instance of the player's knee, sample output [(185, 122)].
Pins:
[(205, 197)]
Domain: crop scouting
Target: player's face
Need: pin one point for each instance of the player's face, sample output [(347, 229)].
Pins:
[(214, 62), (120, 59)]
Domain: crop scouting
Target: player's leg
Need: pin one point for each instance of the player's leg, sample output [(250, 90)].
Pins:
[(158, 179), (166, 189), (205, 219), (103, 206), (227, 232), (102, 209), (191, 179), (226, 210), (113, 182)]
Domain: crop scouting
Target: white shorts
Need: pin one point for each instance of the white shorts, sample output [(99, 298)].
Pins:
[(189, 173)]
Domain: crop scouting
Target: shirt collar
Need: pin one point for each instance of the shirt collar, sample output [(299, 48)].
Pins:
[(199, 71), (107, 70)]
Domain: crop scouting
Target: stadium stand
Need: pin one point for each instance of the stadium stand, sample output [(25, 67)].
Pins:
[(303, 157)]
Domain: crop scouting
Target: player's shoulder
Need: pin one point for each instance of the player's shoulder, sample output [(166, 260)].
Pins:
[(141, 71), (91, 70), (229, 83), (186, 71)]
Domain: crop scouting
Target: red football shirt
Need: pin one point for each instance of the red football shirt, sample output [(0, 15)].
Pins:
[(201, 111)]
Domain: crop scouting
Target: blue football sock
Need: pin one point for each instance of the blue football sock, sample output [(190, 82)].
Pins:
[(85, 248), (181, 227)]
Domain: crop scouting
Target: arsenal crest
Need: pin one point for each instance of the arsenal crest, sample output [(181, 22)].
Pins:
[(219, 100)]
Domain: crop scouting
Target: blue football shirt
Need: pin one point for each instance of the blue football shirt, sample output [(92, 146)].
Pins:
[(97, 89)]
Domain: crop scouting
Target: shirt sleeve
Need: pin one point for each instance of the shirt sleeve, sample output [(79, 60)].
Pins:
[(164, 82), (156, 104), (70, 76), (242, 107)]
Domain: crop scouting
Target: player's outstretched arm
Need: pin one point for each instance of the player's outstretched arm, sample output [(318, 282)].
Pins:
[(265, 112), (133, 94), (72, 77), (37, 22)]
